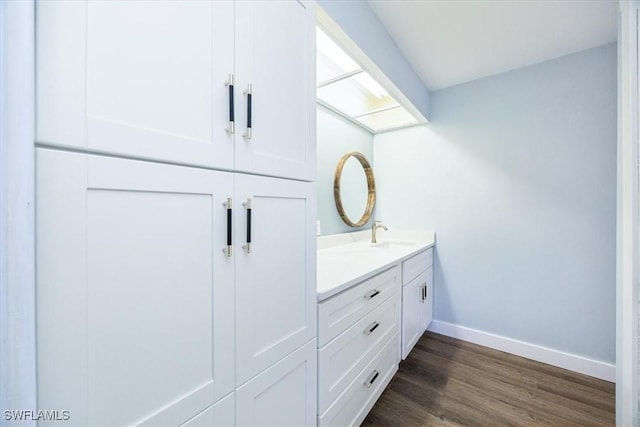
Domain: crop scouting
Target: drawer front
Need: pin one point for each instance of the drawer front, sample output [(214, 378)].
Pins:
[(342, 359), (354, 404), (340, 312), (416, 265)]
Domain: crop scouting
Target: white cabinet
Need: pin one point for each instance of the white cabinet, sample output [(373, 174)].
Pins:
[(223, 413), (155, 87), (275, 276), (427, 301), (417, 298), (276, 55), (133, 290), (359, 397), (359, 353), (172, 286), (283, 395), (136, 314)]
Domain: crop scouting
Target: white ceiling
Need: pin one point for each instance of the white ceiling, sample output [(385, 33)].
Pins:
[(454, 41)]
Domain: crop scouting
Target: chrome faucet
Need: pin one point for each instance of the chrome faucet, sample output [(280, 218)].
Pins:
[(374, 227)]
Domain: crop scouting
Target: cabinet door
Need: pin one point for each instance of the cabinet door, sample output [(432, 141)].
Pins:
[(138, 78), (283, 395), (223, 414), (134, 294), (275, 55), (427, 310), (276, 278), (413, 313)]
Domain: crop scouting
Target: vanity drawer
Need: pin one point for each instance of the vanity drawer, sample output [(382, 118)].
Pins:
[(342, 359), (340, 312), (353, 405), (416, 265)]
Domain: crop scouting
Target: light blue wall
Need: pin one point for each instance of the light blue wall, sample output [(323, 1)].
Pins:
[(516, 174), (336, 137), (356, 18)]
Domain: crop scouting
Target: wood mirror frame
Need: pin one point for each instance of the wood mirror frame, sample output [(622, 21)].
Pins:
[(371, 189)]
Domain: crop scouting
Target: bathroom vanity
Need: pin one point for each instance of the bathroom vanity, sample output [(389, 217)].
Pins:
[(374, 303)]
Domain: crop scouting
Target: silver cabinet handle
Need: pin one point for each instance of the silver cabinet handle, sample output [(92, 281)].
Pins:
[(374, 375), (372, 327), (231, 129), (228, 205), (249, 92), (372, 293)]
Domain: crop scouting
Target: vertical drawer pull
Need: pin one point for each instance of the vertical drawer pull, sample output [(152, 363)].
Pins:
[(249, 92), (228, 206), (231, 129), (372, 327), (374, 375), (371, 294), (247, 246)]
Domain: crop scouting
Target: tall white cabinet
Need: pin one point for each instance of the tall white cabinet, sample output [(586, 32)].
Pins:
[(176, 247), (151, 80)]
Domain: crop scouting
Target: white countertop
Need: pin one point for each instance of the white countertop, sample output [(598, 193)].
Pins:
[(348, 258)]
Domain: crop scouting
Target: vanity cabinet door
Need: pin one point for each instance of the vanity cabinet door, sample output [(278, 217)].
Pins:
[(133, 290), (427, 302), (414, 309), (276, 55), (143, 79), (275, 272)]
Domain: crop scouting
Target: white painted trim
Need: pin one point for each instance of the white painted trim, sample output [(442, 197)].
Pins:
[(572, 362), (627, 251), (17, 230)]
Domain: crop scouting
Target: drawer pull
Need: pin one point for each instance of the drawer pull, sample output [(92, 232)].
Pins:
[(249, 92), (231, 129), (372, 327), (229, 207), (372, 294), (372, 378), (247, 246)]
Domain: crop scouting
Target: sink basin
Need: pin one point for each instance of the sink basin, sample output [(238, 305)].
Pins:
[(348, 258), (389, 244)]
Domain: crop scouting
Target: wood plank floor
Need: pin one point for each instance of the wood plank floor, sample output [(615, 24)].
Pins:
[(448, 382)]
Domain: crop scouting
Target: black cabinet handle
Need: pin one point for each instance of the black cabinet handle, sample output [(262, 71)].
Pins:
[(247, 246), (229, 207), (372, 327), (249, 92), (231, 129), (372, 294), (372, 378)]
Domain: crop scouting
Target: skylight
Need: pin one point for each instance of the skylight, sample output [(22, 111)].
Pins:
[(344, 87)]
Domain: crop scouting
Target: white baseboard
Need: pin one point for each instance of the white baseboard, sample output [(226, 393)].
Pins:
[(572, 362)]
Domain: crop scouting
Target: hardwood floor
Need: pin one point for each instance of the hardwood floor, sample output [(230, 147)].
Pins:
[(448, 382)]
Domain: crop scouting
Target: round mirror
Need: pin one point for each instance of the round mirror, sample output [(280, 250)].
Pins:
[(354, 189)]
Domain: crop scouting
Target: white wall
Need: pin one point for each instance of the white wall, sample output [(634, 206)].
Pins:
[(516, 173), (335, 137)]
